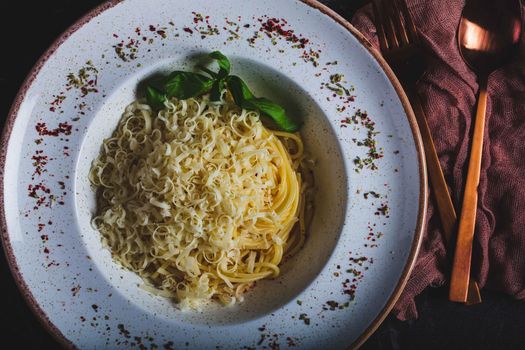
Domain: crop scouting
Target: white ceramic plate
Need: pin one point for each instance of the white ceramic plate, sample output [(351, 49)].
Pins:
[(370, 204)]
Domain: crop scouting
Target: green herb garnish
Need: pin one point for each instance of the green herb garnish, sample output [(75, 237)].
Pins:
[(155, 97), (183, 85)]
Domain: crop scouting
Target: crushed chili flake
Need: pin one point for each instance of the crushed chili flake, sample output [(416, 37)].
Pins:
[(338, 89), (63, 128), (371, 193), (276, 28), (311, 56), (384, 209), (39, 162), (168, 345), (86, 80), (123, 331), (75, 290), (43, 195), (53, 263), (127, 51), (360, 118), (202, 26), (331, 305), (58, 100), (233, 30), (291, 342), (304, 317)]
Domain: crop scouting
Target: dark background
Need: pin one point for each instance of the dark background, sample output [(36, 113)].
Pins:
[(26, 31)]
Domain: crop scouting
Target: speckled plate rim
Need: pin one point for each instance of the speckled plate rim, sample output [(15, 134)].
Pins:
[(422, 202)]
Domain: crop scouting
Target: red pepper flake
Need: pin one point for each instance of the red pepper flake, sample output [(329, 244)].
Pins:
[(75, 290), (361, 118), (291, 342), (46, 250), (233, 29), (85, 80), (305, 319), (123, 331), (59, 99), (383, 210), (277, 29), (63, 128), (202, 26), (39, 162), (168, 345), (53, 263), (41, 227), (42, 194)]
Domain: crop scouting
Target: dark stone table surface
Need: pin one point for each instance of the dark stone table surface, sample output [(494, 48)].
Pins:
[(27, 28)]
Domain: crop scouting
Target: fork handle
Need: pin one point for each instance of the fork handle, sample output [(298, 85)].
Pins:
[(463, 254), (446, 210)]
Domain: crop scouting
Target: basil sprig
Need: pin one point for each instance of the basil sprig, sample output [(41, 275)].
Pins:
[(244, 98), (183, 85)]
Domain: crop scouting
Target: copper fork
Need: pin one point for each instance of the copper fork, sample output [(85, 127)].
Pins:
[(401, 47)]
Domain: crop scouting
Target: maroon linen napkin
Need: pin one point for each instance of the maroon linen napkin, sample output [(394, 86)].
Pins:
[(448, 91)]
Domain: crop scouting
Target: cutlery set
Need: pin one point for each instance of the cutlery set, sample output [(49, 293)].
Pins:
[(488, 37)]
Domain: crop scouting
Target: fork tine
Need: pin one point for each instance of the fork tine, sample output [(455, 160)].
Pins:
[(390, 29), (379, 20), (399, 23), (410, 25)]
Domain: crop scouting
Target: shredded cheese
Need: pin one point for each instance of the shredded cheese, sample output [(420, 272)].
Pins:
[(200, 200)]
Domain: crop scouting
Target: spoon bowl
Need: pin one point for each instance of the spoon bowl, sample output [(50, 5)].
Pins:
[(489, 33)]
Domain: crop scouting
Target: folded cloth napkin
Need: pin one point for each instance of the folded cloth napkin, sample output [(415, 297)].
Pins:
[(448, 90)]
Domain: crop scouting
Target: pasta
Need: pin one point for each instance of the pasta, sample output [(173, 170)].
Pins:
[(200, 200)]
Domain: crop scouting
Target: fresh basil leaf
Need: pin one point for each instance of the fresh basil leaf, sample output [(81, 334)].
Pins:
[(240, 91), (183, 85), (244, 98), (206, 70), (216, 90), (224, 63), (276, 112), (155, 97)]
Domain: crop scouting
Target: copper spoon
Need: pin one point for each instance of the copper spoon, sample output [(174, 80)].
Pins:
[(488, 36)]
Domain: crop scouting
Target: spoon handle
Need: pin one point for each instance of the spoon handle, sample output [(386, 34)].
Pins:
[(446, 210), (467, 222)]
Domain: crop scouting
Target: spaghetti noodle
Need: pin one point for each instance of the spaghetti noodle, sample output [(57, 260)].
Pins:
[(200, 200)]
